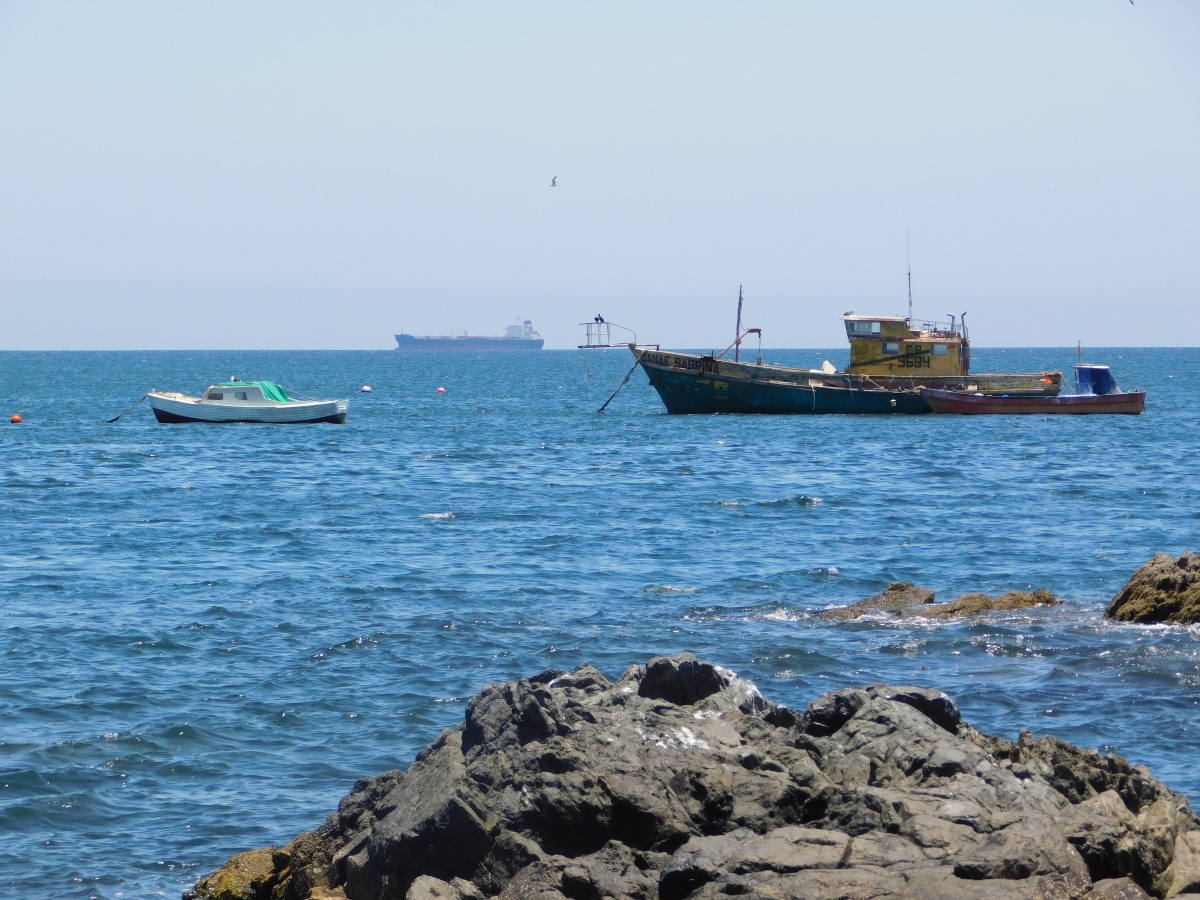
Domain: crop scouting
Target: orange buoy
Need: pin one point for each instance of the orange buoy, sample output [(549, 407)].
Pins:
[(441, 390), (16, 419)]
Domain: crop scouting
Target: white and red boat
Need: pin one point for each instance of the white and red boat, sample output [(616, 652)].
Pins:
[(1096, 393)]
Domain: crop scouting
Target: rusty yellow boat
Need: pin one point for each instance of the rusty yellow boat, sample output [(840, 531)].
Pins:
[(891, 360)]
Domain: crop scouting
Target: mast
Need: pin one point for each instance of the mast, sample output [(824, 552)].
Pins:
[(737, 333), (908, 246)]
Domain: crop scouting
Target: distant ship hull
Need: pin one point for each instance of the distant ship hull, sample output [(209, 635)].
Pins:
[(466, 342)]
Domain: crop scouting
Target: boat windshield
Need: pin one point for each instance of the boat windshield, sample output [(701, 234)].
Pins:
[(270, 389)]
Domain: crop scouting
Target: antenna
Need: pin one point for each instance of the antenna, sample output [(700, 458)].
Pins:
[(908, 246), (737, 334)]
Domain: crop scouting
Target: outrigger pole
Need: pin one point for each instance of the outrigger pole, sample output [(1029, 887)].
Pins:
[(739, 340)]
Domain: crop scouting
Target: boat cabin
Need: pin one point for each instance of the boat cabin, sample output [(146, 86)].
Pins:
[(245, 392), (1098, 380), (893, 345)]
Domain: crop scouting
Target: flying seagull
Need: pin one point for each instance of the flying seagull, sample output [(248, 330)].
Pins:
[(554, 181)]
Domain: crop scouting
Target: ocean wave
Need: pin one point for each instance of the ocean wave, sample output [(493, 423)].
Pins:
[(784, 615), (294, 576), (801, 500)]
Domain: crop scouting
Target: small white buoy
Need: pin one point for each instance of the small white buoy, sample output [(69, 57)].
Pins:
[(366, 389), (441, 390)]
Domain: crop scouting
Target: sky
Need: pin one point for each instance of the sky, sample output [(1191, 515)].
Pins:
[(323, 175)]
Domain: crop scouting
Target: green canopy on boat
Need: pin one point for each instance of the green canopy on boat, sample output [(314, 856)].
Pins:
[(270, 389)]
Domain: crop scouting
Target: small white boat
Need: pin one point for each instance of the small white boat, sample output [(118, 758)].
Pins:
[(245, 401)]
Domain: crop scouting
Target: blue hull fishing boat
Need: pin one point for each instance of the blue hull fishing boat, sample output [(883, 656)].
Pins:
[(892, 358), (698, 384)]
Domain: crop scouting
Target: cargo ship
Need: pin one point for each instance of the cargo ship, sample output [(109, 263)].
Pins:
[(891, 359), (515, 337)]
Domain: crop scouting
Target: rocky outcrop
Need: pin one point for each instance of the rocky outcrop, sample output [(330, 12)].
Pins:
[(1166, 589), (903, 599), (253, 874), (679, 780)]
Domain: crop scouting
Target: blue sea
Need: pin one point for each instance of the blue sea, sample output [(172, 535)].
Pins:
[(209, 632)]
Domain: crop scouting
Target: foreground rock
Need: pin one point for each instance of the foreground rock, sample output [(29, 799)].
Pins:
[(902, 598), (680, 781), (1166, 589)]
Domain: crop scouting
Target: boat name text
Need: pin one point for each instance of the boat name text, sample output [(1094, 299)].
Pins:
[(689, 363)]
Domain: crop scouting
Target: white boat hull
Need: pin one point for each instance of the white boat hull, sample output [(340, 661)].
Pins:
[(181, 408)]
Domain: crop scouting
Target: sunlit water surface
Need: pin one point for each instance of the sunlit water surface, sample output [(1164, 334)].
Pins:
[(209, 632)]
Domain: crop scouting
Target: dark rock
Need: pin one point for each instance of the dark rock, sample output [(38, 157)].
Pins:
[(429, 888), (935, 705), (680, 679), (680, 781), (1166, 589), (1183, 874), (742, 852), (1117, 889)]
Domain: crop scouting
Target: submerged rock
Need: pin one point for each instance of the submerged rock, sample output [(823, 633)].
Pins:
[(1166, 589), (903, 599), (679, 780), (896, 596), (973, 604)]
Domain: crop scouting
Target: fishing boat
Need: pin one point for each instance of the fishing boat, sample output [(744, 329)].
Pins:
[(891, 359), (688, 383), (1096, 392), (245, 401)]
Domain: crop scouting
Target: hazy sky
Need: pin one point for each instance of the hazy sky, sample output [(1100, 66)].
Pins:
[(258, 175)]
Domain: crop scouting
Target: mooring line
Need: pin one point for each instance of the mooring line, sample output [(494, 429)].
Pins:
[(624, 381), (144, 396)]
